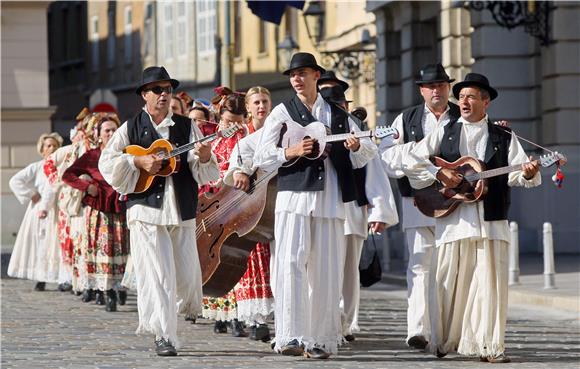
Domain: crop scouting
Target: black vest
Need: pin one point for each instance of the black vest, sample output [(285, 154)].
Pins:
[(413, 131), (497, 200), (141, 132), (308, 175)]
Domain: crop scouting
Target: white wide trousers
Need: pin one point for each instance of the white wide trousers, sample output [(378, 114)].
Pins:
[(168, 276), (351, 284), (308, 280)]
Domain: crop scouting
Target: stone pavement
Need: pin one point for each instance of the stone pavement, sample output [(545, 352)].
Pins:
[(56, 330)]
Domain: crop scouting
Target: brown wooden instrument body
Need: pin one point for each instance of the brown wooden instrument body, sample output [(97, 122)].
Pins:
[(438, 201), (169, 166), (229, 224)]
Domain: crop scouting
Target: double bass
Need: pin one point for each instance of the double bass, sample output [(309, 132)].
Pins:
[(229, 224)]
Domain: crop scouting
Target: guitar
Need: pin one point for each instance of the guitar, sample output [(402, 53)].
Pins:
[(170, 155), (293, 133), (438, 201)]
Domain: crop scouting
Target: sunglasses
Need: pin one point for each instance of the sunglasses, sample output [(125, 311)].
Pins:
[(158, 90)]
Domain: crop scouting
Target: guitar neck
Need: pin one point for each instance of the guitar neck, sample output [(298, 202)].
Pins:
[(494, 172), (344, 136), (191, 145)]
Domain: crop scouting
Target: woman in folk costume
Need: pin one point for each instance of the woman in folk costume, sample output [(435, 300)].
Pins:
[(255, 301), (230, 107), (36, 254), (202, 117), (69, 217), (104, 246)]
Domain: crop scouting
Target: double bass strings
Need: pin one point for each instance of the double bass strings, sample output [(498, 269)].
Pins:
[(235, 202)]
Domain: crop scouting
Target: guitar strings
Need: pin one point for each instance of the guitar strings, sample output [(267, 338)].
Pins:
[(226, 208), (234, 202)]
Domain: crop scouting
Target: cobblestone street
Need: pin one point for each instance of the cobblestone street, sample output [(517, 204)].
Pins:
[(56, 330)]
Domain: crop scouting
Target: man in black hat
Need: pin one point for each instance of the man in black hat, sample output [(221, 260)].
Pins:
[(468, 302), (381, 214), (161, 219), (413, 124), (310, 213)]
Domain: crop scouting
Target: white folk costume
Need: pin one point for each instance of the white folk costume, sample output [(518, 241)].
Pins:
[(36, 253), (254, 296), (163, 248), (70, 212), (310, 242), (419, 229), (382, 209), (469, 293)]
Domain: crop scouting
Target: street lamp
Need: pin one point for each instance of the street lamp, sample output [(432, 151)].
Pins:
[(313, 18), (286, 48)]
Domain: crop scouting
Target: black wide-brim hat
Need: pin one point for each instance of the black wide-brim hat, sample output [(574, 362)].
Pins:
[(303, 60), (330, 76), (474, 79), (433, 73), (155, 74)]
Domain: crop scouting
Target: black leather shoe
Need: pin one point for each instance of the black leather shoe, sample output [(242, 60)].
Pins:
[(292, 348), (40, 286), (317, 353), (349, 337), (164, 348), (418, 342), (111, 301), (65, 287), (100, 298), (220, 327), (238, 329), (88, 295), (260, 333), (440, 354), (122, 297), (190, 318)]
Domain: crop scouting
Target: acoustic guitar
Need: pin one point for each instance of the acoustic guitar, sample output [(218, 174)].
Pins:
[(170, 155), (438, 201), (293, 133)]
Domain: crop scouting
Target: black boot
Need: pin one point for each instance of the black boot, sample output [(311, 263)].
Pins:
[(261, 333), (220, 327), (65, 287), (100, 298), (238, 329), (40, 286), (190, 318), (122, 297), (111, 300), (88, 295)]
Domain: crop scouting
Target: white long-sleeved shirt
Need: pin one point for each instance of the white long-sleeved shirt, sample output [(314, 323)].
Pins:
[(29, 181), (393, 158), (467, 221), (120, 172), (381, 208), (324, 204)]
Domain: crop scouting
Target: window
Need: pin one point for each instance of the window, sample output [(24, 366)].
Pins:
[(128, 35), (169, 37), (263, 37), (181, 38), (111, 38), (237, 29), (95, 43), (206, 26), (148, 41)]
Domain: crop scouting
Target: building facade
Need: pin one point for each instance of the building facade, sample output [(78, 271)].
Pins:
[(25, 106)]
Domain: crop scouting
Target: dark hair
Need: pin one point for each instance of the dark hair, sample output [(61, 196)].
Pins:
[(235, 104), (201, 108)]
